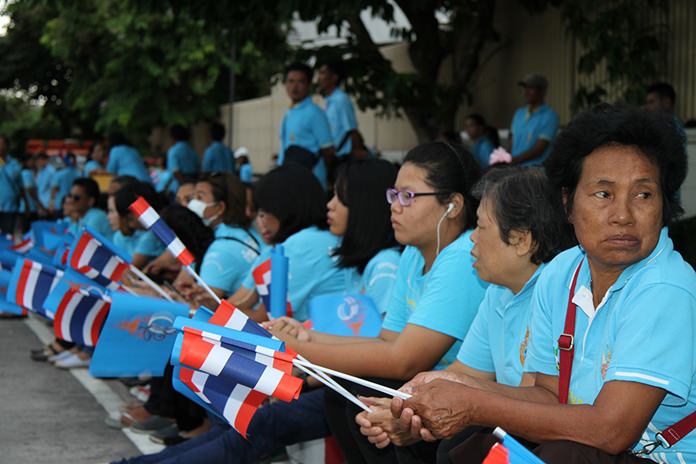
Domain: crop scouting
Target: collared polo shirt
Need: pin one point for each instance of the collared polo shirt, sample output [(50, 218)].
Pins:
[(125, 160), (339, 111), (528, 127)]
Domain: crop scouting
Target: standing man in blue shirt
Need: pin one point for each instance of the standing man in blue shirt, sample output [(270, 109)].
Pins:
[(340, 112), (61, 183), (217, 157), (182, 159), (305, 134), (44, 176), (124, 160), (10, 188), (534, 126)]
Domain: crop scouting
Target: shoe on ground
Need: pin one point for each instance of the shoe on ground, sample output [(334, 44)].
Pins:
[(151, 424), (72, 362), (169, 432), (140, 392), (60, 356)]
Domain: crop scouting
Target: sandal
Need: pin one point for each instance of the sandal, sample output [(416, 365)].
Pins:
[(44, 353)]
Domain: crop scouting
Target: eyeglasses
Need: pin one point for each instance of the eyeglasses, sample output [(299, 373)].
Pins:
[(405, 197)]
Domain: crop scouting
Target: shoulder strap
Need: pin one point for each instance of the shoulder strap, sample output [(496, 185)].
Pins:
[(566, 344), (235, 239)]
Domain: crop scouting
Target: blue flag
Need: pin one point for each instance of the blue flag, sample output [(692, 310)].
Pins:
[(137, 337), (349, 315)]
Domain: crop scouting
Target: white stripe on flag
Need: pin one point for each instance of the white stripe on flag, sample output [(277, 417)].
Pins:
[(213, 337), (30, 286), (56, 279), (67, 315), (91, 273), (176, 247), (216, 360), (148, 217), (264, 350), (89, 321), (269, 380), (87, 253), (234, 402), (110, 267), (263, 359), (199, 379), (237, 320)]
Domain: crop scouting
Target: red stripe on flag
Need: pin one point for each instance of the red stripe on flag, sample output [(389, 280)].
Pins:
[(247, 410), (186, 376), (99, 322), (21, 285), (185, 257), (222, 314), (58, 318), (121, 268), (288, 388), (139, 206), (194, 351), (85, 238), (497, 455)]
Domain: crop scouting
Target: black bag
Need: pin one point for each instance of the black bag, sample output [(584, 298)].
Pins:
[(297, 155)]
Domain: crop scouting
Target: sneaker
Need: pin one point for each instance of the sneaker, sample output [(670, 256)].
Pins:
[(60, 356), (151, 424), (72, 362)]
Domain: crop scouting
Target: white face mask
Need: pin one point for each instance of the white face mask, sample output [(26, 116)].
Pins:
[(199, 207)]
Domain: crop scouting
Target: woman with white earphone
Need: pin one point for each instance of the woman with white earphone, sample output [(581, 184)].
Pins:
[(434, 299)]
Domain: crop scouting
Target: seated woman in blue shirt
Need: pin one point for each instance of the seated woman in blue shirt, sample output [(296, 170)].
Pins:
[(220, 202), (626, 365), (369, 240), (145, 246), (520, 227), (484, 138), (436, 294)]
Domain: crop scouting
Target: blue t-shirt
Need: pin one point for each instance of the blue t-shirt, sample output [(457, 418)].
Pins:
[(217, 158), (644, 331), (44, 178), (10, 185), (90, 166), (28, 182), (377, 281), (341, 116), (498, 337), (445, 299), (144, 242), (246, 173), (528, 127), (227, 261), (482, 150), (63, 182), (125, 242), (306, 125), (96, 219), (125, 160)]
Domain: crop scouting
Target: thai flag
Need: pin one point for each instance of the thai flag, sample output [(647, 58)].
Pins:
[(509, 451), (91, 255), (25, 245), (226, 315), (30, 284), (80, 316), (149, 219), (262, 279)]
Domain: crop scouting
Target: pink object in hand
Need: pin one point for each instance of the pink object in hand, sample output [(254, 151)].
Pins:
[(500, 155)]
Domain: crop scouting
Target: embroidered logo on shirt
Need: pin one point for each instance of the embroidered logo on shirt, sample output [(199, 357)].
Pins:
[(523, 347), (606, 360)]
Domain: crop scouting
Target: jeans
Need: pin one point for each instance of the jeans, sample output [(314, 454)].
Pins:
[(273, 427)]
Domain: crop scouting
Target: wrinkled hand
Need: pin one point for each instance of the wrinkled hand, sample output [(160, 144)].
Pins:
[(286, 328), (445, 407), (429, 376), (381, 427)]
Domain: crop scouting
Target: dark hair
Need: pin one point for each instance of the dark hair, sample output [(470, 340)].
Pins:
[(654, 134), (523, 200), (336, 67), (126, 196), (117, 138), (228, 189), (123, 180), (195, 235), (449, 169), (360, 185), (664, 90), (301, 67), (217, 131), (490, 132), (41, 155), (292, 194), (179, 133), (89, 185)]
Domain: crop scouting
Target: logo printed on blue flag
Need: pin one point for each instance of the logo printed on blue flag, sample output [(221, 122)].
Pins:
[(348, 315)]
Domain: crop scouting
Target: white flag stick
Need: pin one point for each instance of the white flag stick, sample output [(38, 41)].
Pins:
[(336, 387), (202, 283), (142, 276), (359, 381)]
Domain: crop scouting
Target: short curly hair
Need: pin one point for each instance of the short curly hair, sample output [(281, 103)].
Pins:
[(656, 135)]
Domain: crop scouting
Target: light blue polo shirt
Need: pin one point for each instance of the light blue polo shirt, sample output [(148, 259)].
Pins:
[(644, 331), (125, 242), (341, 116), (227, 261), (28, 182), (482, 150), (96, 219), (246, 173), (63, 182), (217, 158), (445, 299), (43, 184), (90, 166), (142, 242), (498, 337), (528, 127), (306, 125), (125, 160), (378, 279), (182, 157), (10, 185)]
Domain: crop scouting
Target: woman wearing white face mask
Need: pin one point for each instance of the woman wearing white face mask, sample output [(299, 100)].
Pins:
[(220, 201)]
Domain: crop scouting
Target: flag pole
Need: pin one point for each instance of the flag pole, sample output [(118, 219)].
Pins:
[(202, 283), (359, 381), (142, 276), (336, 387)]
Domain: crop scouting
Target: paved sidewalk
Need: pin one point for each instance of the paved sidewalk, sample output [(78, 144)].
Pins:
[(46, 415)]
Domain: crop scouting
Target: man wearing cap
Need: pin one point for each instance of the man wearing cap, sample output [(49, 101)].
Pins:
[(534, 126), (241, 159)]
